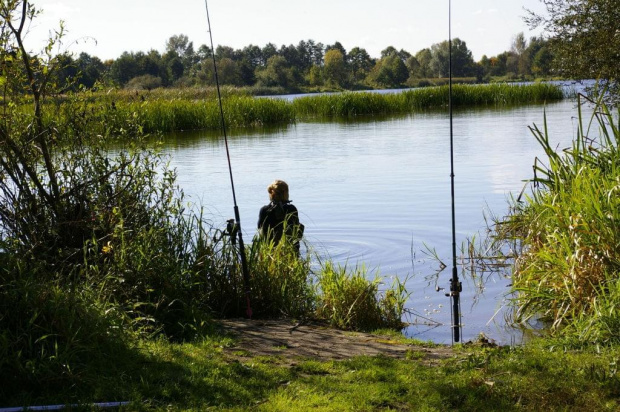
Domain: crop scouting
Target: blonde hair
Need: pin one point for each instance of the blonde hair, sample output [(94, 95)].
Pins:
[(278, 191)]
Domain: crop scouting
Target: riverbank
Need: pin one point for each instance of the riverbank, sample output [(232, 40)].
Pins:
[(269, 365)]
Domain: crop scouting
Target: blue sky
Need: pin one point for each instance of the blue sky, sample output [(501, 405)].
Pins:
[(107, 28)]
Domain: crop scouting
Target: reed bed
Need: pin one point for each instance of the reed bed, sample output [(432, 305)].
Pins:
[(365, 103), (567, 271), (350, 299), (189, 109)]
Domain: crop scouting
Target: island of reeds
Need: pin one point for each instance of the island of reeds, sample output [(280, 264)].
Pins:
[(177, 110)]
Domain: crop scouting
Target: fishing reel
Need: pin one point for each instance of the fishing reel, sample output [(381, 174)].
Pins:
[(232, 228)]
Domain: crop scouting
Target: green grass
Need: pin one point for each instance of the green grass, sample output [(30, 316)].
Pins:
[(365, 103), (159, 375)]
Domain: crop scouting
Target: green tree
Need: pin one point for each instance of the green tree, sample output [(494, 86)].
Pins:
[(338, 46), (389, 72), (335, 68), (462, 60), (583, 37), (276, 73), (268, 52), (228, 72), (181, 45), (91, 69), (360, 64), (124, 68), (424, 58)]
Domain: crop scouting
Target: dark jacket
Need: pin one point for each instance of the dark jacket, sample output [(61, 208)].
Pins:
[(272, 218)]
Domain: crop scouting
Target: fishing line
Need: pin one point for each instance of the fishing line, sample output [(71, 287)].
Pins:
[(237, 226), (455, 285)]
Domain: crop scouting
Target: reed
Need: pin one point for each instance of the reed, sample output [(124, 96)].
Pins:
[(350, 300), (281, 280), (189, 109), (567, 271), (365, 103)]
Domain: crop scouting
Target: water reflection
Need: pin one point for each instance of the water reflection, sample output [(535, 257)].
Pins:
[(378, 191)]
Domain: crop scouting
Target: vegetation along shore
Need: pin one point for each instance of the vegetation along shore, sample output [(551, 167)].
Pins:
[(181, 109)]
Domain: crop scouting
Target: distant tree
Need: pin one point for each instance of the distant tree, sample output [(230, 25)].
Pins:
[(360, 64), (389, 72), (462, 60), (542, 61), (499, 66), (91, 69), (338, 47), (276, 73), (203, 53), (224, 52), (124, 68), (144, 82), (388, 51), (335, 69), (268, 52), (250, 59), (65, 73), (583, 37), (424, 58), (228, 72), (315, 76), (413, 67), (175, 68), (180, 45), (519, 50)]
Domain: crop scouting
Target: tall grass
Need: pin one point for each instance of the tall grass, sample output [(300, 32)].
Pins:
[(567, 271), (184, 109), (350, 300), (365, 103)]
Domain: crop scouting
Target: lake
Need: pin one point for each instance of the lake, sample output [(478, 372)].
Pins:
[(376, 192)]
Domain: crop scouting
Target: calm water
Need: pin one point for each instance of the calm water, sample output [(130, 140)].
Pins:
[(377, 192)]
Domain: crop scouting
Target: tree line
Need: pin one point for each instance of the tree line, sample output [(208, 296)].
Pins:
[(305, 66)]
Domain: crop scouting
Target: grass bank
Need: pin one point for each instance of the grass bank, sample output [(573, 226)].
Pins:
[(209, 374)]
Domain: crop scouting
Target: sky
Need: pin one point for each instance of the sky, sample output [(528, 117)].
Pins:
[(108, 28)]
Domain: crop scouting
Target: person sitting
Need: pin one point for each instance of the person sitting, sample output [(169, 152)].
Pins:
[(280, 217)]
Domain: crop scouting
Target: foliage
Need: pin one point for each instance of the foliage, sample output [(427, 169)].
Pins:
[(349, 300), (567, 271), (144, 82), (462, 60), (281, 282), (366, 103), (306, 66), (584, 37), (334, 68)]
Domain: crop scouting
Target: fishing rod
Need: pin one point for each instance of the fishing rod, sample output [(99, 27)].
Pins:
[(237, 224), (455, 285)]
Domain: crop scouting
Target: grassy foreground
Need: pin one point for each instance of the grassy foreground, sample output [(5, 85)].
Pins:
[(159, 375)]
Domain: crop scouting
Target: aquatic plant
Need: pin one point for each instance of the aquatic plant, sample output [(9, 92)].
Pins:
[(350, 300), (567, 270), (367, 103)]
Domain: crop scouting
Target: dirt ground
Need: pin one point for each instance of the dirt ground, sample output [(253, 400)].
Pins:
[(291, 342)]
